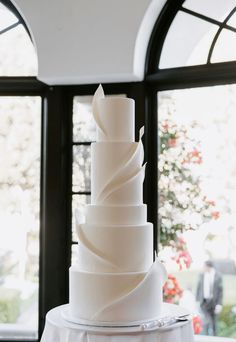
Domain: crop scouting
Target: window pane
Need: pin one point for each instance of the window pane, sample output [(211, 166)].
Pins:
[(84, 128), (232, 20), (197, 196), (7, 18), (216, 9), (20, 121), (187, 42), (78, 204), (225, 48), (17, 53), (81, 168)]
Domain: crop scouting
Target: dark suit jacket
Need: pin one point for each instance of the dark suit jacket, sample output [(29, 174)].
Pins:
[(217, 289)]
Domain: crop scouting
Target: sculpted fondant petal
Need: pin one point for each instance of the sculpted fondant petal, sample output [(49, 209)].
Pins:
[(99, 94), (100, 257), (109, 240), (141, 133), (123, 174), (124, 183), (156, 276)]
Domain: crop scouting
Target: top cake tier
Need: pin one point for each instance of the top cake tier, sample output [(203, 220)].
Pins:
[(114, 117)]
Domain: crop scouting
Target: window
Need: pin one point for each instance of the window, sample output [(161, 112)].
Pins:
[(197, 191), (20, 121), (17, 53), (197, 33), (20, 150), (191, 74)]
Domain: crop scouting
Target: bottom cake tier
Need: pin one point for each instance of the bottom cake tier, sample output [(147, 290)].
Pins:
[(116, 297)]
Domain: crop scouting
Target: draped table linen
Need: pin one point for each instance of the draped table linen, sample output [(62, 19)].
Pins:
[(60, 330)]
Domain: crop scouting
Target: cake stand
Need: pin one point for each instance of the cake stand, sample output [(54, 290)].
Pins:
[(59, 327)]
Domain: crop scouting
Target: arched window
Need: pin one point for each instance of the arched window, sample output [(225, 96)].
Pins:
[(17, 53), (20, 154), (191, 76)]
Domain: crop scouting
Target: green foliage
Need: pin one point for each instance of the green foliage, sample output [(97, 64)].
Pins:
[(227, 322), (9, 305)]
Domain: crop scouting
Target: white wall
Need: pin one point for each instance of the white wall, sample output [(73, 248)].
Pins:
[(90, 41)]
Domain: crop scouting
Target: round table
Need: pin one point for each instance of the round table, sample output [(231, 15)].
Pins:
[(61, 330)]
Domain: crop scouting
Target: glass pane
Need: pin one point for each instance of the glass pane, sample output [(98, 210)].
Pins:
[(81, 168), (232, 20), (78, 204), (84, 128), (187, 42), (7, 18), (197, 196), (225, 48), (20, 121), (17, 53), (216, 9)]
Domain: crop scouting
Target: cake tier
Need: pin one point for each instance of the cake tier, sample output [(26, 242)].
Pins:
[(115, 248), (118, 297), (117, 173), (116, 215), (110, 114)]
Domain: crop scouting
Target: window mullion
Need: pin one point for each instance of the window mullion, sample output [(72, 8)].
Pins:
[(55, 238)]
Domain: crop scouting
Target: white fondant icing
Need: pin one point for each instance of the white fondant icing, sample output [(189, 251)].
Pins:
[(89, 292), (116, 296), (113, 163), (110, 114), (90, 258), (116, 215), (129, 167), (142, 302), (127, 191), (115, 248)]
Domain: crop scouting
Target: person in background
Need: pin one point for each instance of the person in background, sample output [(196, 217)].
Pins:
[(209, 295)]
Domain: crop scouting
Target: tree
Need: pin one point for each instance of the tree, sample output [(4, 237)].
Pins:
[(183, 205)]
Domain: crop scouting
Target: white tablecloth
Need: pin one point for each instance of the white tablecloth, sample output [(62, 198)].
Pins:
[(58, 329), (213, 339)]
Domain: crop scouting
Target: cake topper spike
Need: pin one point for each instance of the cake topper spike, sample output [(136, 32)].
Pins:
[(99, 94)]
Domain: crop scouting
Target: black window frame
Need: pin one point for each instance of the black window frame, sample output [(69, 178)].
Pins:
[(157, 80)]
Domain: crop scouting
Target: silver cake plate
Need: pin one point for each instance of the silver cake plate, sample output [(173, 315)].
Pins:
[(170, 316)]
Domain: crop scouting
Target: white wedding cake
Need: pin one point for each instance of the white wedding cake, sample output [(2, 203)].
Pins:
[(115, 279)]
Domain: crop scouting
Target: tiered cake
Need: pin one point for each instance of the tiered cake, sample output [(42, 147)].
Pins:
[(115, 279)]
